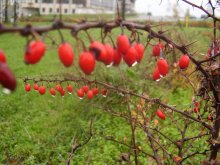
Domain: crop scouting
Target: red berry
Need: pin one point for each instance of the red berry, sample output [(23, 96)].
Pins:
[(130, 57), (123, 44), (87, 62), (52, 91), (117, 58), (90, 94), (162, 66), (161, 114), (196, 104), (109, 54), (66, 54), (156, 74), (34, 52), (196, 109), (95, 91), (156, 50), (104, 92), (62, 92), (35, 86), (42, 90), (80, 93), (2, 57), (209, 51), (7, 78), (210, 118), (140, 51), (85, 88), (69, 88), (28, 87), (98, 49), (58, 87), (184, 61)]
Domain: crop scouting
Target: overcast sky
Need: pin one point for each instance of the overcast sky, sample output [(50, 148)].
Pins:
[(166, 7)]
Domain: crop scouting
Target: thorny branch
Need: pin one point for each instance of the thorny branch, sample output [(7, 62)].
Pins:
[(212, 15), (76, 145), (125, 92)]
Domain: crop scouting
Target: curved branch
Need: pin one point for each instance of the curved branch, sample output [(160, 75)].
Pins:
[(202, 8)]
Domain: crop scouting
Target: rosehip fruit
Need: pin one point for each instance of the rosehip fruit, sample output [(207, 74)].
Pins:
[(184, 61), (161, 114), (104, 92), (34, 52), (117, 58), (28, 87), (162, 66), (157, 49), (123, 43), (58, 87), (130, 57), (62, 92), (90, 94), (156, 74), (52, 92), (85, 88), (7, 78), (42, 90), (87, 62), (196, 109), (210, 118), (140, 51), (66, 54), (197, 104), (98, 49), (109, 55), (2, 57), (69, 89), (36, 87), (95, 91), (80, 93)]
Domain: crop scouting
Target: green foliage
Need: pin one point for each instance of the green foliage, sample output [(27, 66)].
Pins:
[(38, 129)]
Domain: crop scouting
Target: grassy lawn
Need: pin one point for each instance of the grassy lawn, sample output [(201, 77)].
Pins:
[(38, 129)]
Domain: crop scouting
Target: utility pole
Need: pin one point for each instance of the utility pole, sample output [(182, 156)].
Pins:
[(6, 10), (1, 11), (15, 13), (123, 8)]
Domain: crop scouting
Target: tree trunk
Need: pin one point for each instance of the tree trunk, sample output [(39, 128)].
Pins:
[(215, 146), (6, 10)]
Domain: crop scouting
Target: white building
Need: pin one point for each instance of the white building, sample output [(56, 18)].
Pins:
[(52, 7), (45, 7)]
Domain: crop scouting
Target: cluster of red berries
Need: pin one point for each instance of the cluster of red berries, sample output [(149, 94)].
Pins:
[(196, 106), (98, 51), (58, 88), (212, 50), (7, 78), (90, 92), (162, 67)]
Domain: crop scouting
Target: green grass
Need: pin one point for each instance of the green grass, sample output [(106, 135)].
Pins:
[(38, 129)]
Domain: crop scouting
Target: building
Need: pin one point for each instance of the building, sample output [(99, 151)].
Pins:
[(52, 7), (12, 5), (46, 7)]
